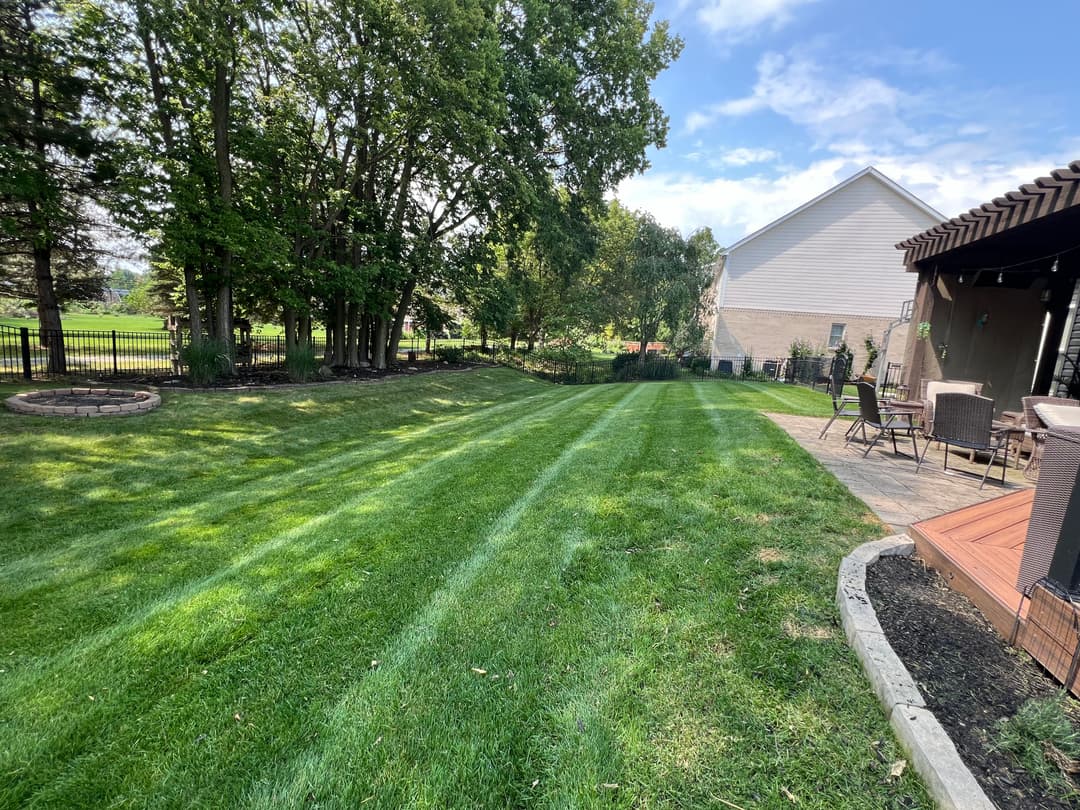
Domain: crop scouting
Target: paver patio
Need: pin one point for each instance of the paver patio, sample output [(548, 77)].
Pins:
[(887, 483)]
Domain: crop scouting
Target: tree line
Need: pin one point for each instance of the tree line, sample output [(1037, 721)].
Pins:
[(347, 162)]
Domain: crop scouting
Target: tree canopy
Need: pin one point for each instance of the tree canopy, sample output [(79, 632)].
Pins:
[(346, 161)]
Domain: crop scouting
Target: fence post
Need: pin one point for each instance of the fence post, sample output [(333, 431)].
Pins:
[(115, 368), (24, 342)]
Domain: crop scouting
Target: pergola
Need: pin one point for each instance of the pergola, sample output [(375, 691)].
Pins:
[(998, 290)]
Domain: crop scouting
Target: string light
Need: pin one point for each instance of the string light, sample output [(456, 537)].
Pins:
[(1053, 267), (1001, 277)]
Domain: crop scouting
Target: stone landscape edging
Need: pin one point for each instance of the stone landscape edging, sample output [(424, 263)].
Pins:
[(134, 402), (933, 755)]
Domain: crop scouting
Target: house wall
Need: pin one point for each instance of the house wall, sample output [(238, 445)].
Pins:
[(837, 255), (769, 333), (990, 335)]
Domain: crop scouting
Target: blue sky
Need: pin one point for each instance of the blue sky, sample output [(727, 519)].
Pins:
[(774, 101)]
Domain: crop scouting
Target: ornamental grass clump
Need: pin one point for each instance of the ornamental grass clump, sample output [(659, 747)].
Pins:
[(300, 363), (1045, 743), (206, 361)]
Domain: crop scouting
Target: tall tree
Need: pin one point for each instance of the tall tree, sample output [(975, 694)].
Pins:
[(650, 278), (48, 161)]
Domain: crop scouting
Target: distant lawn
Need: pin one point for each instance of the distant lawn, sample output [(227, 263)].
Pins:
[(121, 323), (455, 590)]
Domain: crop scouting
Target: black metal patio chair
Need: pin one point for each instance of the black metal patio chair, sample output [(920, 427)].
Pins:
[(967, 420), (882, 420), (842, 405)]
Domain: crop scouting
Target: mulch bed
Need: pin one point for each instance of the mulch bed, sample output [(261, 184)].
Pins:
[(969, 677), (259, 378)]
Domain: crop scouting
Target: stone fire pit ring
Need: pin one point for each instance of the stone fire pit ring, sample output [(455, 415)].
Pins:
[(83, 402)]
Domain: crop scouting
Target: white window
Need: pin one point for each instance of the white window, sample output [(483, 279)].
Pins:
[(836, 335)]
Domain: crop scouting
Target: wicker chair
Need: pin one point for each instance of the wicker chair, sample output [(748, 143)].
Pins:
[(842, 405), (967, 420), (1051, 548), (930, 389), (1036, 428), (882, 420)]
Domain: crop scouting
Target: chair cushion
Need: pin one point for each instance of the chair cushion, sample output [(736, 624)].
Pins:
[(939, 387)]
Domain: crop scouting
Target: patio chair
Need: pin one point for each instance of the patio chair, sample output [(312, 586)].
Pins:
[(929, 391), (967, 420), (842, 405), (1036, 429), (1052, 547), (882, 420)]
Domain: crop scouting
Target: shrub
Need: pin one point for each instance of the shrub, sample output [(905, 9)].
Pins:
[(800, 348), (699, 364), (450, 354), (300, 363), (205, 361), (622, 360), (564, 354), (626, 366)]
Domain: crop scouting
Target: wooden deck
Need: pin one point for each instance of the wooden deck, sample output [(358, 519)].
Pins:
[(978, 549)]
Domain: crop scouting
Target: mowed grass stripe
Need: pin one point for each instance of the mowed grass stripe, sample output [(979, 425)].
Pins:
[(403, 449), (297, 536), (347, 418), (396, 564), (336, 769)]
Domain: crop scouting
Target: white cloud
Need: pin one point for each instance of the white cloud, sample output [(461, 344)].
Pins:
[(945, 179), (803, 91), (738, 19), (744, 156)]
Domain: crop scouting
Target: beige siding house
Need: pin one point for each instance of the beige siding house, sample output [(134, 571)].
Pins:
[(828, 271)]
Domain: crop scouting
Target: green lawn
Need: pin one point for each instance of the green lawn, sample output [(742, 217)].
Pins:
[(455, 590), (103, 323)]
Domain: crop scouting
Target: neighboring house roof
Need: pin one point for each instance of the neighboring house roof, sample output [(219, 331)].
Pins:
[(869, 170), (1047, 195)]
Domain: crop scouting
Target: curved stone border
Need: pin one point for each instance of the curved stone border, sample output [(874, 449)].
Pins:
[(129, 402), (932, 753)]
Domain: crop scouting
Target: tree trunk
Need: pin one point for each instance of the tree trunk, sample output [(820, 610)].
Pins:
[(483, 337), (339, 329), (399, 316), (52, 335), (291, 338), (352, 350), (303, 331), (364, 341), (191, 295), (378, 342), (513, 340), (220, 107)]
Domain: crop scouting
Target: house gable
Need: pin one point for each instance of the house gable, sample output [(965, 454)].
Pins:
[(835, 254)]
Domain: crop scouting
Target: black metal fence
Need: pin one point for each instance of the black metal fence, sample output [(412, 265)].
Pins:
[(41, 354)]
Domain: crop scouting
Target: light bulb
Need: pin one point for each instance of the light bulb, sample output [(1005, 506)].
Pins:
[(1053, 267), (1001, 277), (961, 279)]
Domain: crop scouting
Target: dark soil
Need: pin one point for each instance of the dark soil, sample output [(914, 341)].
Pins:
[(258, 378), (969, 677), (60, 398)]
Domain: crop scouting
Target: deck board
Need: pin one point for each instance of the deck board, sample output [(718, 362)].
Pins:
[(978, 550)]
